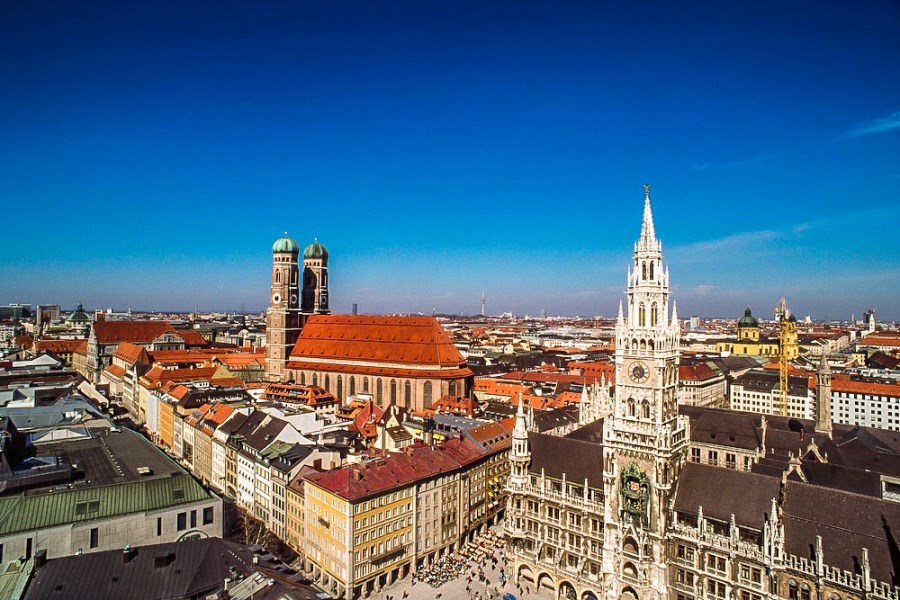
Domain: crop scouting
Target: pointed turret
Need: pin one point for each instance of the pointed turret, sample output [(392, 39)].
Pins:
[(674, 314), (620, 320)]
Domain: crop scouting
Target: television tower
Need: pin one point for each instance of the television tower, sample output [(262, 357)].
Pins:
[(482, 303)]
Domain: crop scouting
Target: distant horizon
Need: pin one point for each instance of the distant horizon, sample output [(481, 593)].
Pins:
[(152, 153), (262, 312)]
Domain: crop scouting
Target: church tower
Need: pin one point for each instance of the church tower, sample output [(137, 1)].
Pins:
[(644, 439), (823, 396), (283, 317), (519, 461), (315, 280)]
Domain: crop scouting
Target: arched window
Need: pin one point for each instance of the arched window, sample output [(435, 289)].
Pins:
[(327, 384), (340, 388), (426, 395), (642, 314), (352, 385), (393, 391), (277, 276), (315, 379), (645, 409), (654, 310), (631, 407), (643, 270), (651, 271), (378, 391), (643, 344), (365, 385), (407, 394), (302, 378)]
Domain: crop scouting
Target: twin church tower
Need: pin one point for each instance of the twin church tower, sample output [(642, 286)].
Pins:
[(291, 301)]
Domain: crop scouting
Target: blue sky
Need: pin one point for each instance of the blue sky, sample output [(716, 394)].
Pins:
[(151, 152)]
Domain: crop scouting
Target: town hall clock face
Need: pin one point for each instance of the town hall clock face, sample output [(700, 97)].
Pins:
[(639, 372)]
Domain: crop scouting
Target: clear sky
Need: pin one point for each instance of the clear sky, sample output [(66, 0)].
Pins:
[(151, 152)]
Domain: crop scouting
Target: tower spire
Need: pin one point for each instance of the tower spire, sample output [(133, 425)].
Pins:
[(648, 233)]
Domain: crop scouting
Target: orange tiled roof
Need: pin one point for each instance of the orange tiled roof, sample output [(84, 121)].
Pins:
[(175, 357), (842, 383), (157, 376), (115, 370), (383, 371), (131, 353), (880, 341), (241, 360), (410, 340), (140, 332)]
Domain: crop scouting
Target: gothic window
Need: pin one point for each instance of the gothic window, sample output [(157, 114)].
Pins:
[(302, 378), (365, 385), (327, 384), (340, 388), (642, 314), (645, 409), (315, 379), (643, 342), (426, 393), (634, 344), (651, 271), (277, 276), (407, 394), (654, 313), (393, 391), (631, 407), (643, 270), (378, 391), (352, 385)]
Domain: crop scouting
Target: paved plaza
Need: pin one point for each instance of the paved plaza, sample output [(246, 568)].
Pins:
[(465, 578)]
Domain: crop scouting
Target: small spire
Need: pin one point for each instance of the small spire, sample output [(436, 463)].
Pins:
[(620, 320), (648, 233), (285, 234), (824, 367), (674, 313)]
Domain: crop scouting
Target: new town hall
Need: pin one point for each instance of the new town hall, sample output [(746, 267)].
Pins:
[(644, 499)]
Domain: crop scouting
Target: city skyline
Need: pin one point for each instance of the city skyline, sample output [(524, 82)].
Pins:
[(153, 155)]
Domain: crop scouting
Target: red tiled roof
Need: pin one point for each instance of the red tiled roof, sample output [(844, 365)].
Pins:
[(410, 340), (241, 360), (193, 339), (398, 470), (695, 372), (181, 357), (59, 346), (534, 377), (140, 332)]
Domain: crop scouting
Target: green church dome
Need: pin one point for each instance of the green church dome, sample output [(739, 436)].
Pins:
[(285, 244), (316, 250), (748, 320)]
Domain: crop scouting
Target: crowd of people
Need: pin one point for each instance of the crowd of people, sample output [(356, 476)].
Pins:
[(470, 561)]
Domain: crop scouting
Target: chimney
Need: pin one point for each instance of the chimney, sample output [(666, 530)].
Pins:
[(127, 554), (40, 558)]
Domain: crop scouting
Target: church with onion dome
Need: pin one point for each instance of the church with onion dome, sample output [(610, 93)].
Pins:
[(294, 297), (750, 342)]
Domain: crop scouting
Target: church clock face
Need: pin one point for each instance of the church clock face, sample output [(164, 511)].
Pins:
[(276, 298), (639, 372)]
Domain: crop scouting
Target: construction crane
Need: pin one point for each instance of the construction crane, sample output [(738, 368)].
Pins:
[(787, 333)]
